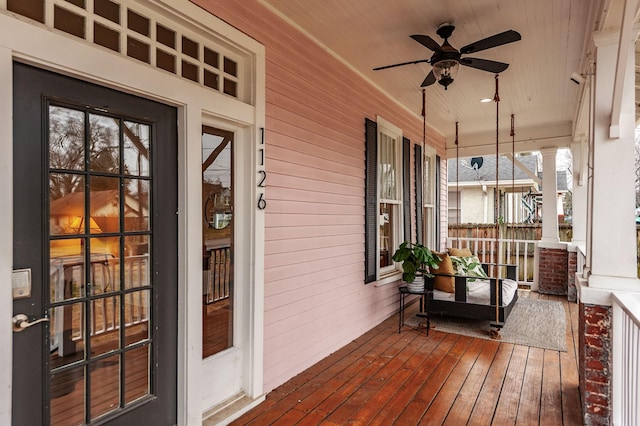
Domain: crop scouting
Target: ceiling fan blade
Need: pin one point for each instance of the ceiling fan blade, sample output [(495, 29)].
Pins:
[(401, 64), (484, 64), (429, 80), (495, 40), (427, 42)]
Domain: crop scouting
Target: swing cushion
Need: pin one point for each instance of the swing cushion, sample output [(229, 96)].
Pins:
[(460, 252), (445, 266)]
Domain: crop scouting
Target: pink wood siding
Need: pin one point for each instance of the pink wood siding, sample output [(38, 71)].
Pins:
[(315, 297)]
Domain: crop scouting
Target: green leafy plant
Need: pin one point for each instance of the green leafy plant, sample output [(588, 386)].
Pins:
[(416, 260)]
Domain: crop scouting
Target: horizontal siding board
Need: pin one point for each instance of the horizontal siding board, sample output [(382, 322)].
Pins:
[(281, 259), (290, 169), (284, 233), (305, 195), (303, 183), (310, 159), (294, 246), (305, 208), (275, 274)]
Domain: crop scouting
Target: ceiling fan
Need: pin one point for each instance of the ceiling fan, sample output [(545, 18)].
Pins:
[(446, 59)]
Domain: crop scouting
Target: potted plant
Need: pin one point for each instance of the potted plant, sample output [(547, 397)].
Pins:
[(417, 260)]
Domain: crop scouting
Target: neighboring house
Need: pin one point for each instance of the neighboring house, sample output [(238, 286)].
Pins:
[(472, 192)]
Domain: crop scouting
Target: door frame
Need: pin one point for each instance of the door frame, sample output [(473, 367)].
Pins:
[(29, 43)]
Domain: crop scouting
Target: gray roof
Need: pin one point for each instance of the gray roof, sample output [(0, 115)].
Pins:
[(487, 172)]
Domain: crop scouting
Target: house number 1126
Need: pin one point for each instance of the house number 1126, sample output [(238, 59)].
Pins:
[(262, 202)]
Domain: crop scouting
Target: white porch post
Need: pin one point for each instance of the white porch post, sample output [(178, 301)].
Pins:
[(613, 232), (579, 194), (549, 196)]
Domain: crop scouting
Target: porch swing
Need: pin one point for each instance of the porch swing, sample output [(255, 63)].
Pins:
[(462, 286)]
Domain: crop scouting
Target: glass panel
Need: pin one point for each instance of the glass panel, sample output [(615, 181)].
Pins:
[(105, 325), (67, 397), (211, 57), (79, 3), (66, 138), (136, 314), (137, 49), (210, 79), (104, 144), (217, 198), (190, 48), (165, 61), (106, 37), (107, 9), (66, 204), (165, 36), (230, 87), (105, 386), (138, 23), (32, 9), (230, 67), (387, 171), (68, 22), (66, 332), (136, 213), (136, 149), (386, 233), (190, 71), (66, 269), (428, 189), (105, 265), (136, 264), (136, 381), (104, 205)]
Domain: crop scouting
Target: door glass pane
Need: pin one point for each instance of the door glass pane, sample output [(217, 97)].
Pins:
[(136, 149), (217, 240), (67, 397), (99, 252), (66, 204), (104, 144), (136, 213), (66, 138)]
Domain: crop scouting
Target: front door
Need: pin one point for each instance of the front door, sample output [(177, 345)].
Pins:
[(94, 254)]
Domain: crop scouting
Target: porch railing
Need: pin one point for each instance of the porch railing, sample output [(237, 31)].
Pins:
[(519, 252), (216, 277), (626, 359)]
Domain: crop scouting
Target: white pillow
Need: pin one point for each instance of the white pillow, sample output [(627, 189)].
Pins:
[(469, 266)]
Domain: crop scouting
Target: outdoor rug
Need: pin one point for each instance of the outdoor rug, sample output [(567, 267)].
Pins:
[(532, 322)]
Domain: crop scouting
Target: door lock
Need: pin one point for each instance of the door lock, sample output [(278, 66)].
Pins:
[(21, 321)]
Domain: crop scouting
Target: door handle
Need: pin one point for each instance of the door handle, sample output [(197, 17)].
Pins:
[(21, 321)]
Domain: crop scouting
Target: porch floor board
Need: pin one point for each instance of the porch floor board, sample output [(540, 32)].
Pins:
[(384, 378)]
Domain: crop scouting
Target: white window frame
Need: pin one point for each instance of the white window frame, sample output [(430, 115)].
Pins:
[(390, 130), (429, 201)]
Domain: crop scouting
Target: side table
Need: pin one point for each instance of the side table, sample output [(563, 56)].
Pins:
[(425, 295)]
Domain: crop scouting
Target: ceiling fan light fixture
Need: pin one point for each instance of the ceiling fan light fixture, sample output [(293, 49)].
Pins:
[(445, 71)]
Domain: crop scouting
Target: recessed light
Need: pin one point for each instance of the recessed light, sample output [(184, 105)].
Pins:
[(485, 100)]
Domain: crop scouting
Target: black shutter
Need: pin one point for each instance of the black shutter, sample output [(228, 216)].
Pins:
[(419, 201), (406, 187), (371, 200), (437, 206)]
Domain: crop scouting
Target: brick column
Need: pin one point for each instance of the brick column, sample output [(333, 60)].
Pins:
[(552, 270), (595, 363)]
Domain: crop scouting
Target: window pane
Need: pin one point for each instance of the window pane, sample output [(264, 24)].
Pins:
[(105, 323), (67, 269), (136, 264), (387, 171), (387, 223), (136, 149), (66, 204), (67, 397), (104, 205), (136, 208), (428, 184), (105, 385)]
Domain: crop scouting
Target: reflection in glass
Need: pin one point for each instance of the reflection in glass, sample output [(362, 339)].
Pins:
[(105, 265), (136, 149), (217, 238), (136, 263), (104, 142), (136, 384), (104, 325), (67, 397), (136, 214), (66, 138), (136, 310), (104, 204), (66, 204), (67, 269), (66, 332), (105, 375), (386, 233)]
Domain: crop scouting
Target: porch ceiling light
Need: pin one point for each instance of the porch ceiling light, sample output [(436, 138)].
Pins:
[(445, 71)]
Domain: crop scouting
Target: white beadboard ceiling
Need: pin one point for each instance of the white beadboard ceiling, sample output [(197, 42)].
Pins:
[(536, 88)]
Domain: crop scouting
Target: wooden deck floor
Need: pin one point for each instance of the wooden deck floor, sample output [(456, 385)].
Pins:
[(385, 378)]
